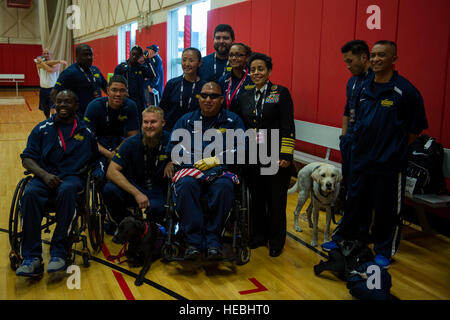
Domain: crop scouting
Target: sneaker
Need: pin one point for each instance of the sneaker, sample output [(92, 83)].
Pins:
[(191, 253), (382, 261), (214, 254), (330, 245), (30, 268), (56, 264)]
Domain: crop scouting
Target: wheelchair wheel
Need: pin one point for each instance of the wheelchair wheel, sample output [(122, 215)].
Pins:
[(242, 255), (14, 260), (170, 251), (15, 224), (95, 216), (244, 214)]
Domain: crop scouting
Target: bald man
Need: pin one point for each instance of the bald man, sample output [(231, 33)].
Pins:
[(48, 71)]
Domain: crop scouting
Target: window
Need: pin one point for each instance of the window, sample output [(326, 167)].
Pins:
[(126, 39), (176, 28)]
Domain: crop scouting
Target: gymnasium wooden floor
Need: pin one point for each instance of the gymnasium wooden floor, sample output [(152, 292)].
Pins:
[(420, 271)]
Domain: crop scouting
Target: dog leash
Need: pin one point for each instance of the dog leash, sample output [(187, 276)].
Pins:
[(123, 251)]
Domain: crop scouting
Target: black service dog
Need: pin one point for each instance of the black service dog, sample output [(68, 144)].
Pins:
[(142, 237)]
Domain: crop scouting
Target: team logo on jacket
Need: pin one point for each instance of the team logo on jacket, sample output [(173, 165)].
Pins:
[(249, 87), (78, 137), (387, 103), (97, 75), (123, 118)]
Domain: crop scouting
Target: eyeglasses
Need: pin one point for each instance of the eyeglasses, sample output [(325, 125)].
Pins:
[(212, 96), (115, 90), (236, 55)]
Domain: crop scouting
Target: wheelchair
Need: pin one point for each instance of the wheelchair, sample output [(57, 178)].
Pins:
[(235, 232), (90, 217)]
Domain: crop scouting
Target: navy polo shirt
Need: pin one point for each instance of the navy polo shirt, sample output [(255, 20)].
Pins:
[(223, 121), (131, 158), (86, 85), (228, 89), (111, 126), (135, 76), (170, 100), (207, 72), (386, 114), (44, 145)]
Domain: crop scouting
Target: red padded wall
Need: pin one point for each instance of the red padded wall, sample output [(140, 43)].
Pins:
[(304, 39), (18, 59), (281, 48), (105, 54), (423, 33), (389, 21)]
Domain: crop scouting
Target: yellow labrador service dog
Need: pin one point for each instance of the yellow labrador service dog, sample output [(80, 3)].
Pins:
[(322, 181)]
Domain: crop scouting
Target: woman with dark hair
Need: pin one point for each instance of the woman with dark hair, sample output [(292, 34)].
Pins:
[(180, 94), (268, 108), (234, 82)]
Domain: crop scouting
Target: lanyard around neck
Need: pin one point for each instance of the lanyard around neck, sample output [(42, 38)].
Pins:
[(86, 75), (236, 91), (215, 66), (262, 96), (181, 93), (63, 143)]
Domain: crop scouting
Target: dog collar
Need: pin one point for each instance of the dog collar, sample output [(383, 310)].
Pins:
[(146, 230)]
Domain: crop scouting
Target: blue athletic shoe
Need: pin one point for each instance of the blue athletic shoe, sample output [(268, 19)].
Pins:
[(56, 264), (382, 261), (330, 245), (30, 268)]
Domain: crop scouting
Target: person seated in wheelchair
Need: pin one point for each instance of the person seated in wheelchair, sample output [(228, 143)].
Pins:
[(136, 173), (208, 176), (113, 118), (57, 150)]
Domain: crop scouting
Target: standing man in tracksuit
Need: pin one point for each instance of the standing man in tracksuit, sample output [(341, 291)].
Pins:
[(356, 55), (390, 115), (57, 149)]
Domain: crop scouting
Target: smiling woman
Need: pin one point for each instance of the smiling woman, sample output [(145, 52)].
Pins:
[(266, 108), (180, 94)]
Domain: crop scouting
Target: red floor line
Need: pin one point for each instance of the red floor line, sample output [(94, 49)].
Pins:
[(259, 287), (119, 277), (28, 105)]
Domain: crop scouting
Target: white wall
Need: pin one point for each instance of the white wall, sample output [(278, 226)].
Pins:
[(19, 25)]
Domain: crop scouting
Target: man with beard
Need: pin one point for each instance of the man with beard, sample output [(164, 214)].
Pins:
[(136, 172), (57, 149), (215, 65), (112, 118), (82, 78)]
